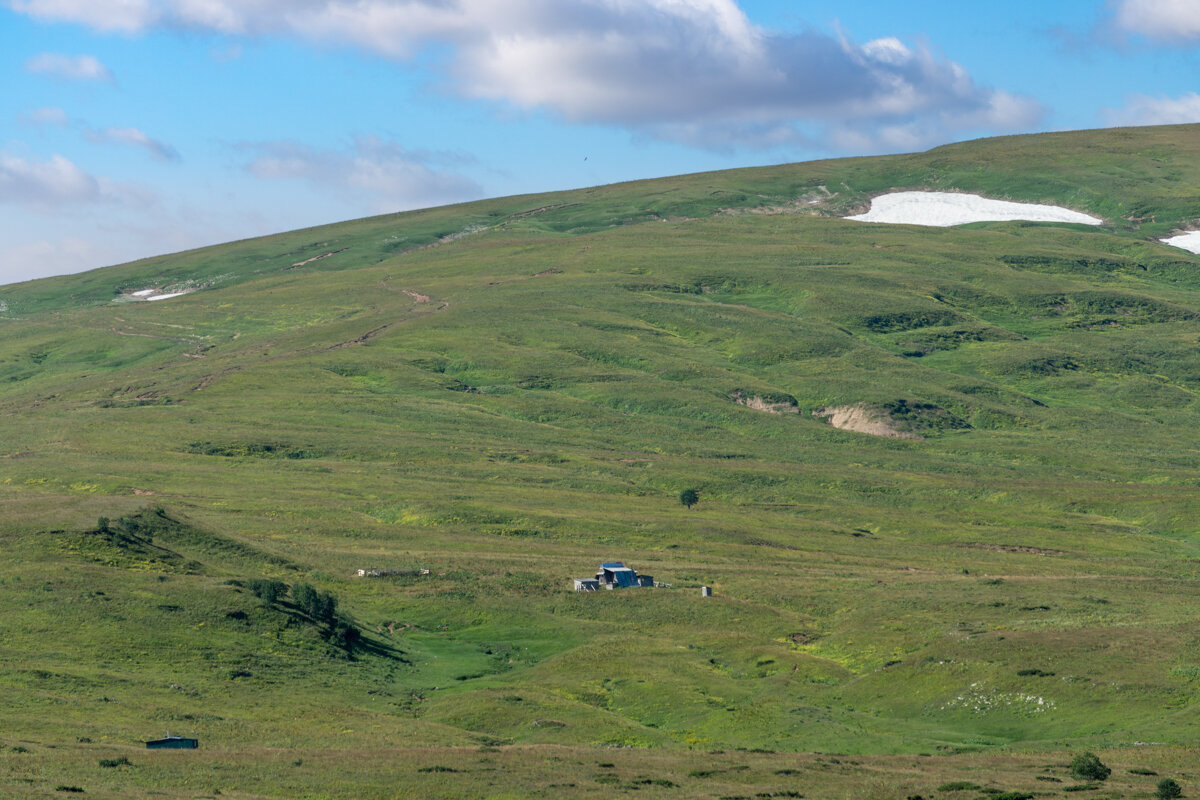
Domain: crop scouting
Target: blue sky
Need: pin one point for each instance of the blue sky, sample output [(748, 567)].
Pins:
[(130, 128)]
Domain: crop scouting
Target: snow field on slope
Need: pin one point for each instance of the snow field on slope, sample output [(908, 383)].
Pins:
[(944, 209)]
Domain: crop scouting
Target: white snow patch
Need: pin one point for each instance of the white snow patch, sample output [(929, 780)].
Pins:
[(142, 292), (1189, 241), (165, 296), (943, 209)]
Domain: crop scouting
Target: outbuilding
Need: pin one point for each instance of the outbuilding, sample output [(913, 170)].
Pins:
[(613, 575), (173, 743)]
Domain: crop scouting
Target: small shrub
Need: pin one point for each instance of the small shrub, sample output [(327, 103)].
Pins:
[(437, 769), (1168, 789), (62, 787), (115, 762), (958, 786), (1082, 787), (1088, 767), (1141, 771), (1037, 673), (19, 749)]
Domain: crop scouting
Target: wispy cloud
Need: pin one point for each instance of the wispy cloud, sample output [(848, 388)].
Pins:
[(124, 136), (1143, 110), (694, 71), (47, 115), (373, 174), (132, 137), (64, 67)]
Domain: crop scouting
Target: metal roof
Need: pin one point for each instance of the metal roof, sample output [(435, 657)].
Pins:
[(612, 565), (625, 577)]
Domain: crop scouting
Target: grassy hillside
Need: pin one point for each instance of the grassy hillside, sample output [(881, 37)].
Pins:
[(508, 392)]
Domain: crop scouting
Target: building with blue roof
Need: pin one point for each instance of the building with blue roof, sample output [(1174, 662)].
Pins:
[(613, 575)]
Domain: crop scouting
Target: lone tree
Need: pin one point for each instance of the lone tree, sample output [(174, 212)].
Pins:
[(1168, 789), (1088, 767), (689, 497)]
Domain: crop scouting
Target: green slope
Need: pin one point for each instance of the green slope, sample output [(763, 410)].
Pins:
[(508, 392)]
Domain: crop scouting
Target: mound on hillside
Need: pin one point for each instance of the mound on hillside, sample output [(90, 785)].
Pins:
[(898, 419), (863, 418), (771, 403)]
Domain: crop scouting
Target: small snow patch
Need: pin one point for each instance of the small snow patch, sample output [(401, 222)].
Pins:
[(1189, 241), (150, 295), (944, 209)]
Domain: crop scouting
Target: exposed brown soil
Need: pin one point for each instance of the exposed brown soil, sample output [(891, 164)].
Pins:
[(861, 418), (318, 258), (759, 403)]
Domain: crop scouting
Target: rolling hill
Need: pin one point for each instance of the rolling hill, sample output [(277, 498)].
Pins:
[(507, 393)]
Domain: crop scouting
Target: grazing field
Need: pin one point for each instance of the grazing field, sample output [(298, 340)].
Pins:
[(505, 394)]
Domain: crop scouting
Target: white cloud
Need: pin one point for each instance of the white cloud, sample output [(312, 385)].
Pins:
[(45, 183), (135, 138), (129, 16), (1143, 110), (77, 68), (696, 71), (51, 186), (1172, 21), (376, 175)]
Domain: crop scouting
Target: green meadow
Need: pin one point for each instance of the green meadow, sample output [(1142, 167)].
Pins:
[(506, 393)]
